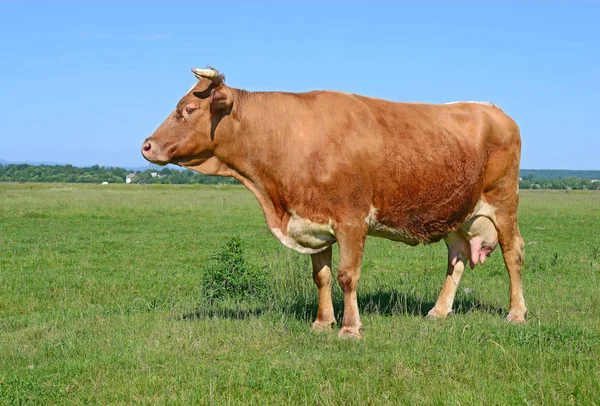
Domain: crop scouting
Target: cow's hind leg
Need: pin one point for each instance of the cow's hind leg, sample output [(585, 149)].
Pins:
[(512, 246), (321, 264), (457, 261)]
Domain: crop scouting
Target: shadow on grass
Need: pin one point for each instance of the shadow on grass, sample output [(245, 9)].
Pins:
[(384, 303)]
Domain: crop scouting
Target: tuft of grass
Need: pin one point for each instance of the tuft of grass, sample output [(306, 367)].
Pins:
[(228, 276), (554, 259)]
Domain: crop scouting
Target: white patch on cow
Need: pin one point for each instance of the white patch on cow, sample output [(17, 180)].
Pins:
[(290, 243), (477, 238), (305, 236), (485, 103), (478, 226), (485, 209), (376, 229), (310, 234)]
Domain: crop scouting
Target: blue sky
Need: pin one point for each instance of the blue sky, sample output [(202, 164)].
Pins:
[(85, 83)]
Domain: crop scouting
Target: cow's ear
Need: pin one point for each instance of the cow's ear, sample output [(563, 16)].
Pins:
[(220, 101)]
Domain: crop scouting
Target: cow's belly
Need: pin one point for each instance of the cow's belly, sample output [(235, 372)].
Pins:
[(478, 233), (377, 229), (305, 236), (478, 228)]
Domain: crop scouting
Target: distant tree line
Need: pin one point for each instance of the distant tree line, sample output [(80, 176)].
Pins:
[(180, 177), (547, 174), (100, 174), (531, 179), (570, 183)]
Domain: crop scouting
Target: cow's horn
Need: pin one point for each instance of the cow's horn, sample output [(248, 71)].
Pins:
[(208, 74)]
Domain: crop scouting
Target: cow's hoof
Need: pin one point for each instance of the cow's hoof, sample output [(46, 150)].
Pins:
[(319, 326), (436, 315), (352, 333), (516, 318)]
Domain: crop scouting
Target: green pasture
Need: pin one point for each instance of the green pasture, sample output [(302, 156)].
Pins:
[(101, 302)]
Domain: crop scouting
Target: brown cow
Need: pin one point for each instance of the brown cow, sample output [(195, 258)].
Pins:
[(332, 167)]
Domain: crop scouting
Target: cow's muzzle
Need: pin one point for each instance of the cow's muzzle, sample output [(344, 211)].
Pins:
[(151, 153)]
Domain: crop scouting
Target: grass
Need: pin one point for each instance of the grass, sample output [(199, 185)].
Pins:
[(101, 302)]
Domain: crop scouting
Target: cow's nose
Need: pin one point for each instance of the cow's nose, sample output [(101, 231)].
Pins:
[(147, 151)]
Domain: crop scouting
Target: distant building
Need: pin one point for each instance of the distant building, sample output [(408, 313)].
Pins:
[(130, 176)]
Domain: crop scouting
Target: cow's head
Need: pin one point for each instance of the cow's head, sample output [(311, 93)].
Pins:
[(187, 136)]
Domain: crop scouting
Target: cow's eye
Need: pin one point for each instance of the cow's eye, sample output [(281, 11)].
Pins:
[(190, 110)]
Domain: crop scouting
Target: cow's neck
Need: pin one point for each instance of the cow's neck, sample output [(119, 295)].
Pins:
[(252, 153)]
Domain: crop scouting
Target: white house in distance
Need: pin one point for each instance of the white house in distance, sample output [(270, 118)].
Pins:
[(130, 177)]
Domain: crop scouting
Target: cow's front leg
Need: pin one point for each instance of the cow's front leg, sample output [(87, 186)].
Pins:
[(321, 264), (351, 241)]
